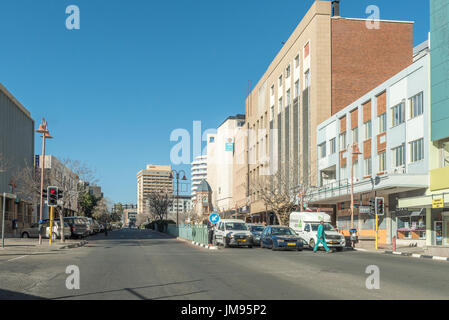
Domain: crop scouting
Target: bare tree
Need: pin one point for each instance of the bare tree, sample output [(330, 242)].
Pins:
[(281, 191), (158, 204), (101, 212), (28, 184)]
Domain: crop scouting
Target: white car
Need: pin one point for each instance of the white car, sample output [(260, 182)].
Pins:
[(305, 224), (232, 232)]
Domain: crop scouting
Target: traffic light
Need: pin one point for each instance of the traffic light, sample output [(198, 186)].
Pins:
[(52, 198), (372, 205), (45, 194), (380, 206), (60, 194)]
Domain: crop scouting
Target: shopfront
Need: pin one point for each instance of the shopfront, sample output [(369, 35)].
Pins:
[(410, 228), (440, 224)]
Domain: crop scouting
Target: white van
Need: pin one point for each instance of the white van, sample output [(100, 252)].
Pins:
[(305, 224)]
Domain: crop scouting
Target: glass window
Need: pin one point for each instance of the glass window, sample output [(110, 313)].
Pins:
[(343, 173), (281, 106), (287, 72), (368, 167), (416, 105), (444, 149), (272, 113), (368, 130), (411, 227), (272, 90), (307, 79), (322, 150), (297, 61), (297, 89), (417, 150), (280, 81), (398, 114), (333, 145), (355, 135), (399, 156), (382, 123), (288, 97), (343, 141), (382, 162)]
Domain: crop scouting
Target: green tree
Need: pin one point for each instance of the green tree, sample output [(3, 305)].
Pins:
[(87, 203)]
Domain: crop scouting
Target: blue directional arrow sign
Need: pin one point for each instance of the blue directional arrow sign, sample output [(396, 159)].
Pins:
[(214, 218)]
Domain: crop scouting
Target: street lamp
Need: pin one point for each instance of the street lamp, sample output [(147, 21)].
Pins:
[(172, 176), (354, 152), (43, 129)]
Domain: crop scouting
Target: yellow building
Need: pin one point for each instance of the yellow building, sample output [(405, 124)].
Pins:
[(154, 178)]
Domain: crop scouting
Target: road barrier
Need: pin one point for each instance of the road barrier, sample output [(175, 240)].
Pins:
[(197, 233)]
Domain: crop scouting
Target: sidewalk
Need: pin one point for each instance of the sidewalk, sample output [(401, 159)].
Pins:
[(29, 246), (414, 252)]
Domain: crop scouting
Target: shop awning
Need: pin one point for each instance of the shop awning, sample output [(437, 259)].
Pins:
[(422, 201)]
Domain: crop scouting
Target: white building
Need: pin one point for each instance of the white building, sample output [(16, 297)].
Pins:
[(220, 152), (390, 127), (198, 173), (184, 205)]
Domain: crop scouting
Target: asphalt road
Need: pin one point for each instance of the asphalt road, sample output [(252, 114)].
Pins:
[(142, 264)]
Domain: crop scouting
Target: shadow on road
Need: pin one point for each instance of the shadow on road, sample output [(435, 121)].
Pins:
[(12, 295), (136, 294)]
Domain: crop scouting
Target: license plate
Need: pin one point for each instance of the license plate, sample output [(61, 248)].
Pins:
[(333, 242), (241, 240), (291, 244)]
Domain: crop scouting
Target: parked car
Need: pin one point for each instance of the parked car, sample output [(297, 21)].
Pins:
[(89, 224), (77, 226), (102, 227), (256, 230), (33, 230), (305, 224), (278, 237), (96, 226), (230, 232)]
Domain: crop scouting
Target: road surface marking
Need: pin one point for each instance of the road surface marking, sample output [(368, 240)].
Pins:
[(16, 258)]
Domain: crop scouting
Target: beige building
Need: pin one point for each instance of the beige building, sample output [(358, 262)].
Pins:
[(154, 178), (326, 63)]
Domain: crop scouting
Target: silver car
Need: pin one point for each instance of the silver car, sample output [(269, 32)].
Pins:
[(33, 230)]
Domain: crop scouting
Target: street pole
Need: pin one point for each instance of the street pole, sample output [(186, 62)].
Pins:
[(177, 199), (51, 224), (352, 188), (42, 186), (377, 231), (3, 220)]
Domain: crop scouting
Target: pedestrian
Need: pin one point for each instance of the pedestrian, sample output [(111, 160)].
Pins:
[(321, 238), (264, 223), (211, 233)]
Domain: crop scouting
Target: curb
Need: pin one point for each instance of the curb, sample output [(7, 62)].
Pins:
[(198, 244), (406, 254), (74, 245)]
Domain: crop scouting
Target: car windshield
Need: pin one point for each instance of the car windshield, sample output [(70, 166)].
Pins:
[(236, 226), (282, 232), (327, 227), (256, 228)]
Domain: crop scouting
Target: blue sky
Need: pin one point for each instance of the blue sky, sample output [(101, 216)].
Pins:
[(113, 91)]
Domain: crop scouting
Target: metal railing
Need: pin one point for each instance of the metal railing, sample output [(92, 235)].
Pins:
[(197, 233)]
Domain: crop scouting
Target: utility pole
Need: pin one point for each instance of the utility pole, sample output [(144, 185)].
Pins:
[(43, 129), (354, 152), (175, 175)]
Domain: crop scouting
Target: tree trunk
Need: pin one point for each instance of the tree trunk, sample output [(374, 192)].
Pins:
[(61, 223)]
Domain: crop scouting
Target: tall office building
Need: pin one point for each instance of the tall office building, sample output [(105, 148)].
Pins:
[(198, 173), (154, 178)]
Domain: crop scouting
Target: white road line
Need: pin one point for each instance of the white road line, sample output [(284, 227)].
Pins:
[(16, 258), (440, 258), (416, 255), (397, 253)]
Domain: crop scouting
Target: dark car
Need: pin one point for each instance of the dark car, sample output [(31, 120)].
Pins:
[(281, 238), (256, 230), (77, 226)]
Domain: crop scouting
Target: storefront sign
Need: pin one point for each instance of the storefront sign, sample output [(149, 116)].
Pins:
[(365, 209), (438, 203)]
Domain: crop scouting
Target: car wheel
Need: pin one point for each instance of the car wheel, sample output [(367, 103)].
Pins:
[(299, 249), (340, 249), (25, 235), (312, 244), (225, 243), (250, 247)]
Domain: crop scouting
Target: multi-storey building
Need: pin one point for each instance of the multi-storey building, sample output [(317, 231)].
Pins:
[(435, 199), (16, 154), (220, 162), (379, 145), (327, 63), (198, 173), (155, 178), (181, 206)]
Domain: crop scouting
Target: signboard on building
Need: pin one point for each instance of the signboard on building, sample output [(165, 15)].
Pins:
[(365, 209), (438, 203), (230, 146)]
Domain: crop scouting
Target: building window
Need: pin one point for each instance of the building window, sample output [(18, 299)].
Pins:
[(307, 79), (287, 72), (322, 150), (306, 50), (399, 156), (416, 105), (343, 173), (211, 140), (411, 227), (382, 123), (272, 113), (368, 167), (356, 169), (417, 150), (281, 106), (333, 145), (382, 162), (297, 61), (398, 112), (343, 141), (288, 97), (280, 81), (444, 150), (297, 89), (368, 130), (272, 90), (355, 135)]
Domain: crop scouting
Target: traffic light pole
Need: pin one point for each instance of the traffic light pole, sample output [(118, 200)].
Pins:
[(51, 224), (42, 187), (377, 231)]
